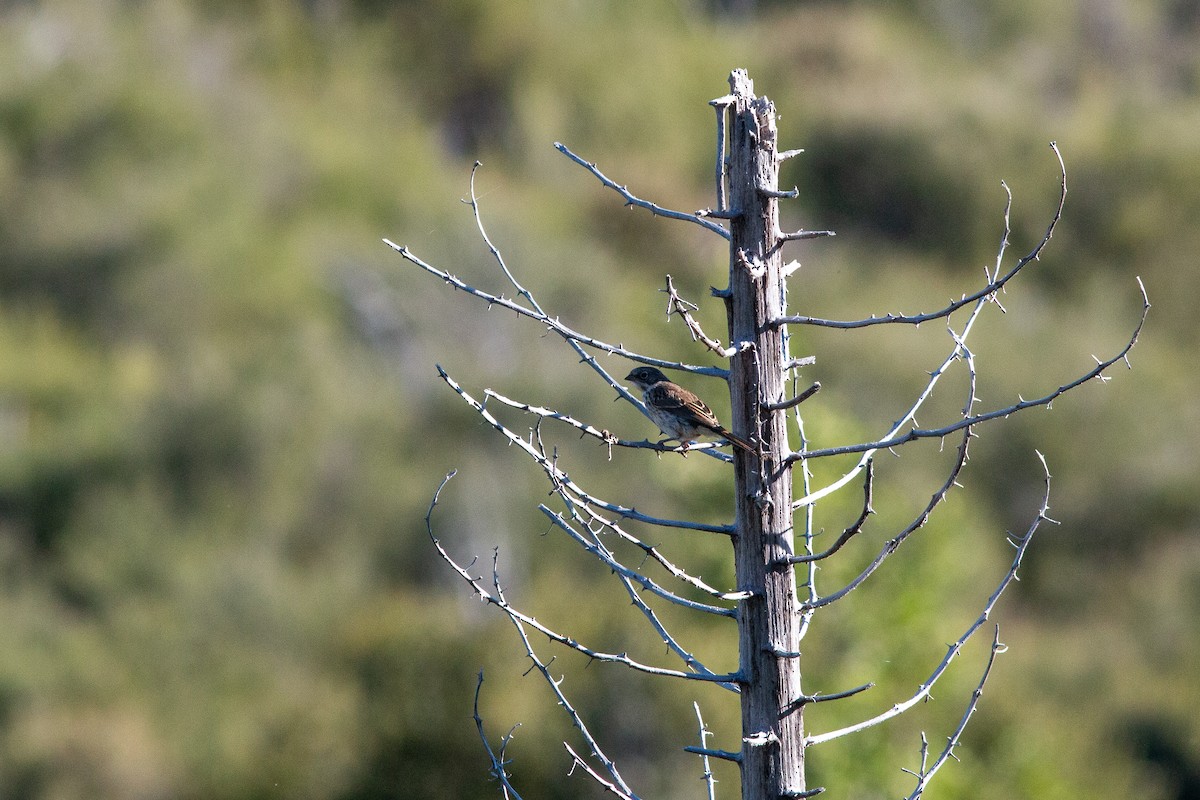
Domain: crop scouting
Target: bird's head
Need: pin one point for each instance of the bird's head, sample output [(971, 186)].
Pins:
[(645, 377)]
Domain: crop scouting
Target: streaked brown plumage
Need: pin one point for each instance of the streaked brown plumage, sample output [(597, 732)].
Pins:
[(677, 412)]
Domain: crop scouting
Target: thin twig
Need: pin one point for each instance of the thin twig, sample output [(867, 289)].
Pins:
[(783, 405), (725, 755), (595, 548), (893, 544), (499, 762), (496, 598), (986, 292), (805, 699), (849, 532), (722, 109), (926, 773), (937, 499), (574, 339), (608, 785), (892, 440), (577, 341), (934, 376), (710, 781), (652, 552), (809, 530), (628, 577), (630, 199), (557, 476), (677, 305), (617, 785), (604, 436), (796, 236), (954, 649), (554, 324)]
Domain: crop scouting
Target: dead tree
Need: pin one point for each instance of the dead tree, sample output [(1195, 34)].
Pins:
[(772, 533)]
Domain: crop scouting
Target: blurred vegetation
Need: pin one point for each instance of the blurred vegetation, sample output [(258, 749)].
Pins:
[(221, 425)]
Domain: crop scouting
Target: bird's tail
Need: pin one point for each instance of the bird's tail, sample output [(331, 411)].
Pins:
[(738, 441)]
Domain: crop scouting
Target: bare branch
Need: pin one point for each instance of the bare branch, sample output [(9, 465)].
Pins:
[(935, 376), (722, 110), (710, 781), (496, 598), (783, 405), (938, 497), (796, 236), (653, 552), (596, 776), (560, 478), (809, 533), (985, 293), (628, 577), (926, 773), (848, 533), (677, 305), (653, 208), (924, 757), (555, 325), (891, 545), (802, 361), (574, 339), (707, 448), (548, 413), (805, 699), (727, 755), (618, 786), (728, 213), (595, 548), (499, 258), (434, 501), (892, 440), (499, 762), (954, 649)]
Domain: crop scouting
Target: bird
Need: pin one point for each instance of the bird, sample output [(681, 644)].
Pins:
[(677, 412)]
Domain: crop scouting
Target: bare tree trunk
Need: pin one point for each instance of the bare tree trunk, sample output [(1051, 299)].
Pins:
[(772, 720)]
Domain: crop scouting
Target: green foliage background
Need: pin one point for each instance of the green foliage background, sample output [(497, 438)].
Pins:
[(220, 424)]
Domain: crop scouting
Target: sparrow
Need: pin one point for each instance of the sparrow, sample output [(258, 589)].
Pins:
[(677, 412)]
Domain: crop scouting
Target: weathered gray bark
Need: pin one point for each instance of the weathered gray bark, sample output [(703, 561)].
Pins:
[(772, 762)]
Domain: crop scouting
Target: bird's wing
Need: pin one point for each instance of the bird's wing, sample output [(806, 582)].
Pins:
[(674, 398)]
